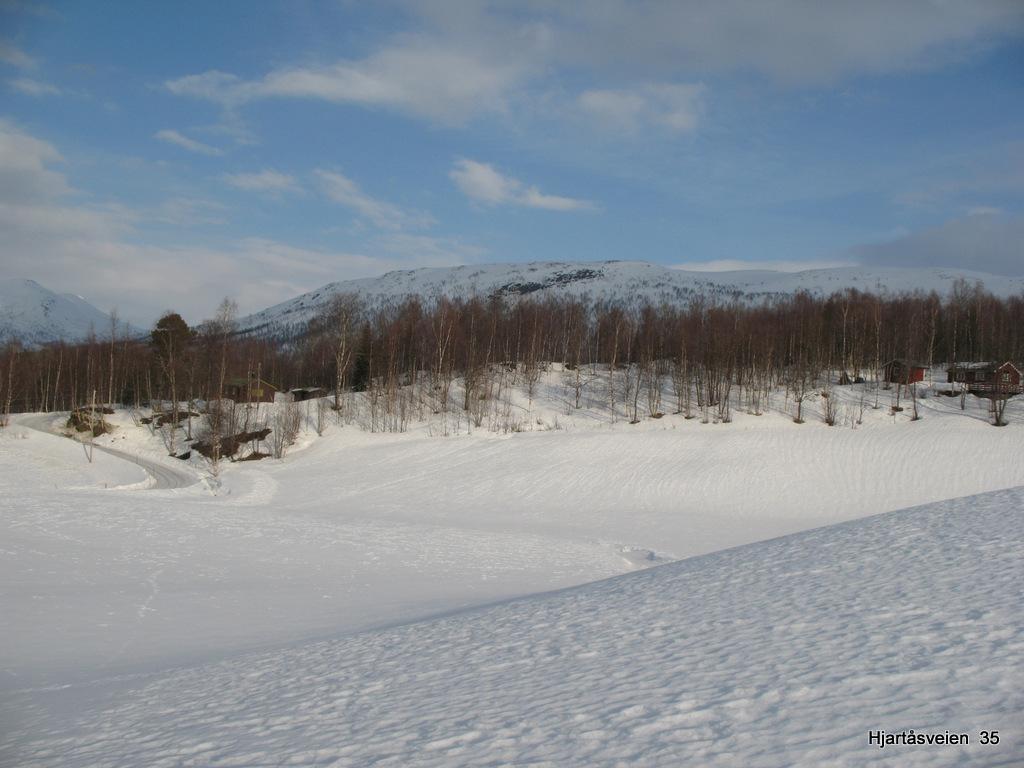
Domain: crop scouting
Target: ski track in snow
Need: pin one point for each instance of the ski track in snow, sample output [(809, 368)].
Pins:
[(784, 652)]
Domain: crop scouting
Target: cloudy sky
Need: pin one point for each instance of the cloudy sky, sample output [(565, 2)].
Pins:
[(164, 155)]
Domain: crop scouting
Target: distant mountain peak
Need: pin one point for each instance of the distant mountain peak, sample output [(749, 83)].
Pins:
[(33, 314)]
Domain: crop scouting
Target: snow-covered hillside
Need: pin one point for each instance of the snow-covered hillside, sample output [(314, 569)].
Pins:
[(618, 280), (788, 652), (34, 315)]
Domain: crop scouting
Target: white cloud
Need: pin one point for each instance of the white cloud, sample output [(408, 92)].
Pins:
[(178, 139), (213, 85), (45, 236), (29, 228), (442, 85), (49, 235), (74, 251), (672, 106), (15, 57), (423, 79), (461, 59), (425, 251), (24, 177), (31, 87), (263, 181), (984, 210), (483, 183), (962, 178), (344, 191), (791, 41), (621, 109), (34, 211), (188, 212), (987, 241)]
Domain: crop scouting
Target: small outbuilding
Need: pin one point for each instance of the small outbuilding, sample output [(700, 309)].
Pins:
[(249, 390), (300, 394), (987, 378), (902, 372)]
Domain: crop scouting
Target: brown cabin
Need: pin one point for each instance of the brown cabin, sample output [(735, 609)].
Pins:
[(901, 372), (986, 379), (251, 390)]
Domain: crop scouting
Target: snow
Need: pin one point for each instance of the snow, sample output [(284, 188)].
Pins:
[(622, 281), (282, 612), (786, 652), (34, 314), (46, 461)]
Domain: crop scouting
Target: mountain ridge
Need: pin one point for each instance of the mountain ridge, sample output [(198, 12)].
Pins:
[(617, 280), (33, 314)]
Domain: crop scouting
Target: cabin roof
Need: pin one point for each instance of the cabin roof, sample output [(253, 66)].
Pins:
[(983, 366), (241, 381), (901, 361), (973, 366)]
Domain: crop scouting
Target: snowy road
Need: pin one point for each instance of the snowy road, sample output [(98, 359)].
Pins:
[(164, 477)]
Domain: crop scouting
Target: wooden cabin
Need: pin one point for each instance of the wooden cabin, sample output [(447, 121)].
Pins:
[(249, 390), (987, 379), (902, 372)]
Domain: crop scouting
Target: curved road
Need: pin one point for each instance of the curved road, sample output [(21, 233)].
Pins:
[(163, 476)]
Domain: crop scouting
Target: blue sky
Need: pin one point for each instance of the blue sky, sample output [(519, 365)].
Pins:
[(157, 156)]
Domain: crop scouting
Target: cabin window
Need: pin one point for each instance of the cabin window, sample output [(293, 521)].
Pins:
[(1006, 378), (980, 376)]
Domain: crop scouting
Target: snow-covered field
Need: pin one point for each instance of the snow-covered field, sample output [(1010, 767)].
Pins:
[(285, 618), (787, 652)]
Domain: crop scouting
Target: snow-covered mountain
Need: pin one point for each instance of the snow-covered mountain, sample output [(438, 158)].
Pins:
[(33, 314), (616, 280)]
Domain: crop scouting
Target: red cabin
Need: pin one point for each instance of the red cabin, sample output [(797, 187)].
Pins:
[(986, 379), (901, 372)]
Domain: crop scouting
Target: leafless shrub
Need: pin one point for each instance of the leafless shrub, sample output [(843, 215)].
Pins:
[(829, 407), (320, 410), (284, 429)]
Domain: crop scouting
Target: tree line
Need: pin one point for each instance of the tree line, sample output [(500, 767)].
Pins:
[(710, 354)]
